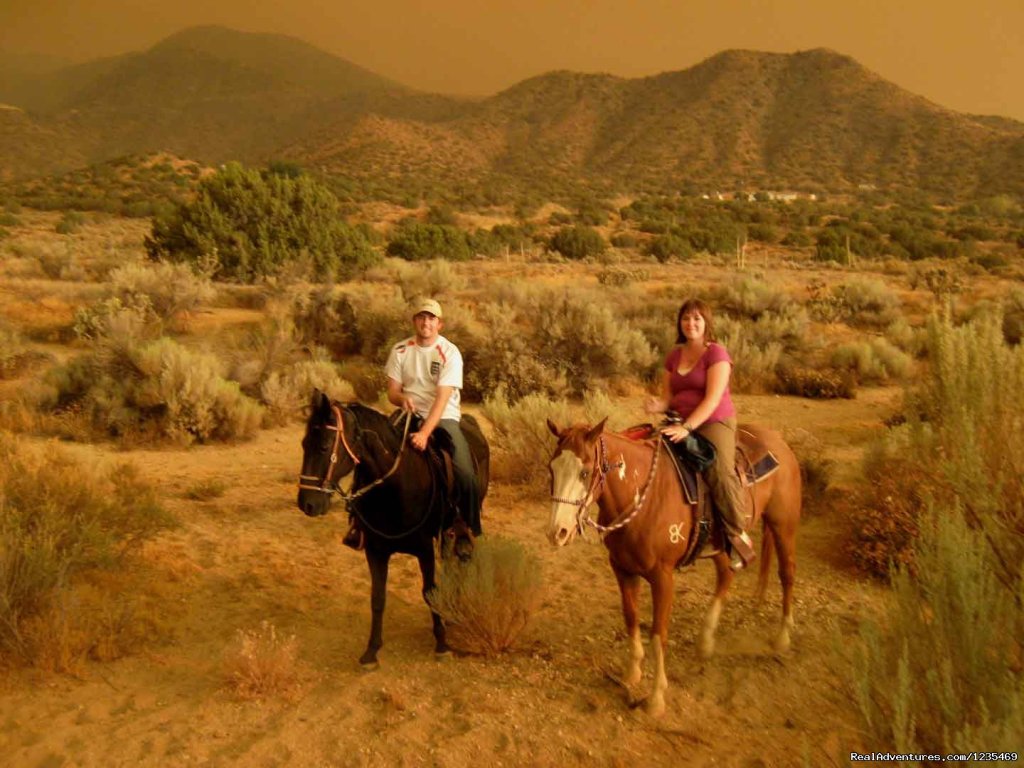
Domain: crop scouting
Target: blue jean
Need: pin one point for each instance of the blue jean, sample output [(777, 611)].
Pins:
[(465, 475)]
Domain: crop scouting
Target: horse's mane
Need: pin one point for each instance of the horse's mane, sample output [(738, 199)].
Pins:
[(371, 420)]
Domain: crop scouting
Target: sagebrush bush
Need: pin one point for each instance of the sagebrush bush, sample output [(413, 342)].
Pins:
[(866, 302), (522, 443), (169, 289), (750, 298), (260, 664), (489, 600), (286, 392), (874, 361), (941, 670), (14, 352), (128, 386), (61, 521)]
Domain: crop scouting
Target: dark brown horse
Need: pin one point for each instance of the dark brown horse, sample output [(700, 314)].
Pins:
[(397, 496), (649, 528)]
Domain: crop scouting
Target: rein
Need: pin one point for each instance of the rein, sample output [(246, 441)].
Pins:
[(601, 472), (328, 486)]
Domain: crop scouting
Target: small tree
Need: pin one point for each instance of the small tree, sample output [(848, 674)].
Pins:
[(245, 224)]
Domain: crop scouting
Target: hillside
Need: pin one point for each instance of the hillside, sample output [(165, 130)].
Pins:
[(813, 120)]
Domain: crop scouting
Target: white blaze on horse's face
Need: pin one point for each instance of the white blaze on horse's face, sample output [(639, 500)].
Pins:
[(569, 483)]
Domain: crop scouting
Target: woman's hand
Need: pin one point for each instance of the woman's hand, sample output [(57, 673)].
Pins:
[(656, 405), (676, 432)]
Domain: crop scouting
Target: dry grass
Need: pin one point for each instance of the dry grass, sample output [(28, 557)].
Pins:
[(261, 664)]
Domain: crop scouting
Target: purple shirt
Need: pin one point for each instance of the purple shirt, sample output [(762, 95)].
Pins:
[(687, 391)]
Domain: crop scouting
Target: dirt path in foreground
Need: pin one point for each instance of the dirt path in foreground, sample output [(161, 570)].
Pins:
[(250, 556)]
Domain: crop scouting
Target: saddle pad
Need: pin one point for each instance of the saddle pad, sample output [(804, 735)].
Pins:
[(758, 470)]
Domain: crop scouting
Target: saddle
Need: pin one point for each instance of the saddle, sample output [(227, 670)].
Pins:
[(754, 462)]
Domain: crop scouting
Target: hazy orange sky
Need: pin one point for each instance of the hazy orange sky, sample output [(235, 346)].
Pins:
[(964, 54)]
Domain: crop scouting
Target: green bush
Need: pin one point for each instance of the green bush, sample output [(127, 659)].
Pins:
[(286, 392), (668, 247), (578, 242), (70, 222), (244, 224), (60, 520), (488, 600), (413, 241)]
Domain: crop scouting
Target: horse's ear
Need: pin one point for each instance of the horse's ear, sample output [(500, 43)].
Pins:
[(554, 429), (596, 430)]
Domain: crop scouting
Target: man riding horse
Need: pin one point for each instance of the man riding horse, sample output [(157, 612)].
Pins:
[(424, 375)]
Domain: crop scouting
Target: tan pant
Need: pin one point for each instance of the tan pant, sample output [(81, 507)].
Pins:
[(726, 491)]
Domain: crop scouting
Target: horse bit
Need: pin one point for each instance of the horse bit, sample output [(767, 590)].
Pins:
[(602, 467), (326, 485)]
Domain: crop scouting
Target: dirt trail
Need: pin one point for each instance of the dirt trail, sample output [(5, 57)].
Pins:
[(250, 556)]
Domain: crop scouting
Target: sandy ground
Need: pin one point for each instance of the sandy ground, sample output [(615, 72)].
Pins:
[(250, 556)]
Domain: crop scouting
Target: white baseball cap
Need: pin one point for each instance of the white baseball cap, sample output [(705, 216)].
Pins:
[(427, 305)]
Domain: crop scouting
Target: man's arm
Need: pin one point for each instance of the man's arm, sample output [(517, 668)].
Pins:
[(419, 439), (397, 396)]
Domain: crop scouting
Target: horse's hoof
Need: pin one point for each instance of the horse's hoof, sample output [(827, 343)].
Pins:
[(369, 662), (443, 655), (655, 707)]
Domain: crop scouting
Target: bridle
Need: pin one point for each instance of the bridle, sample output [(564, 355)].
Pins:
[(601, 469), (326, 484)]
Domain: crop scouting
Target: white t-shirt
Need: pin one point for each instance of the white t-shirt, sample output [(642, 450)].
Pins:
[(421, 370)]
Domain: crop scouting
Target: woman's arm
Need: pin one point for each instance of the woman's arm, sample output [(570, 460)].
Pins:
[(660, 404)]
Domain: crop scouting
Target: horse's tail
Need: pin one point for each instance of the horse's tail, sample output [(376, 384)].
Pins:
[(767, 545)]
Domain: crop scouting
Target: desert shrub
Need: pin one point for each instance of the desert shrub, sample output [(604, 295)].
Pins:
[(874, 361), (668, 247), (816, 469), (128, 386), (940, 671), (1013, 316), (414, 241), (60, 524), (962, 443), (112, 317), (522, 441), (624, 240), (204, 490), (578, 242), (866, 302), (14, 352), (285, 392), (70, 222), (260, 664), (911, 340), (618, 276), (750, 297), (754, 361), (488, 600), (244, 224), (436, 278), (169, 289), (814, 383), (53, 261), (322, 315)]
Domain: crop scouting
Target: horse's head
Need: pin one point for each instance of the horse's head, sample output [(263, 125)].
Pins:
[(327, 455), (575, 475)]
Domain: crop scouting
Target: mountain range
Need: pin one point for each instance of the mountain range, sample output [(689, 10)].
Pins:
[(741, 119)]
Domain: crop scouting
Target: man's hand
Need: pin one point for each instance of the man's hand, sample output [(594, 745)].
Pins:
[(419, 439), (407, 404)]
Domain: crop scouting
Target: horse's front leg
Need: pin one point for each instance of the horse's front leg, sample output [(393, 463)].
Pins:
[(427, 569), (661, 593), (629, 589), (378, 563)]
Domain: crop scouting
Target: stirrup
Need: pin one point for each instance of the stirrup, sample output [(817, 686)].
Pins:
[(743, 553)]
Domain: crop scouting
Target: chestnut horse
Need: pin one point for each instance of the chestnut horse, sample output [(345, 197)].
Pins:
[(648, 527)]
